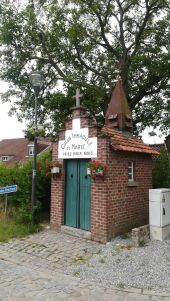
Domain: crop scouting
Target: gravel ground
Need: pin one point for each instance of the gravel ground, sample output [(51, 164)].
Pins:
[(117, 264)]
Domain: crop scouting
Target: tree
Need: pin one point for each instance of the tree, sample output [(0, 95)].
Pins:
[(88, 44), (161, 170)]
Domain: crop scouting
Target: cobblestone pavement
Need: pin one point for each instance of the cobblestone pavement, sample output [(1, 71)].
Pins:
[(32, 269)]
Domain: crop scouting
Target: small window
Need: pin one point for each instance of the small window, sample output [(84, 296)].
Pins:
[(30, 150), (4, 158), (130, 171)]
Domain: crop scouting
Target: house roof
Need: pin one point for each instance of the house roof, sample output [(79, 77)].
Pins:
[(157, 146), (11, 147), (125, 143), (18, 149), (165, 144)]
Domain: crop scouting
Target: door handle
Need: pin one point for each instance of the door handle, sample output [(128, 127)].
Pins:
[(71, 175), (85, 176)]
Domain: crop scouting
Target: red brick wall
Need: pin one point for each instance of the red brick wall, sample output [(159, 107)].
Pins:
[(57, 194), (99, 226), (115, 207), (127, 206)]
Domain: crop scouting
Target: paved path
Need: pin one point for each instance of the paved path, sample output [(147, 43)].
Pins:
[(32, 270)]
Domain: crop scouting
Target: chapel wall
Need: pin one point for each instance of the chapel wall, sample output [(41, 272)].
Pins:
[(128, 206), (115, 207), (57, 194), (99, 196)]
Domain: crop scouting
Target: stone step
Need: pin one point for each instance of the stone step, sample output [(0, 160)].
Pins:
[(76, 232)]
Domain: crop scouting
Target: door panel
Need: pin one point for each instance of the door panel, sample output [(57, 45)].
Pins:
[(77, 195), (85, 196), (71, 193)]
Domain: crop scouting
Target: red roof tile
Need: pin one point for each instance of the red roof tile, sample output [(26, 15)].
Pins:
[(18, 149), (129, 144)]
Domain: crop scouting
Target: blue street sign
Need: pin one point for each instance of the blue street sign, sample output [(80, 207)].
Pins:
[(8, 189)]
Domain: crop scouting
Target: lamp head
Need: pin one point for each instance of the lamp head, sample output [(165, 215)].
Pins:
[(36, 80)]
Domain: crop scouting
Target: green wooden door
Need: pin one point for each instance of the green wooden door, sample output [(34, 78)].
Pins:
[(77, 195), (71, 193), (84, 196)]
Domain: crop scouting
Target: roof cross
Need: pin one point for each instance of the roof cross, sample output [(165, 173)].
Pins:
[(77, 97)]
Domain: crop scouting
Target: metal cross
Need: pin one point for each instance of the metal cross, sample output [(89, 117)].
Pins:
[(77, 97)]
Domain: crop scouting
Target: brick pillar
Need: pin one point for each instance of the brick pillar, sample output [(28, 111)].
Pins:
[(57, 195), (99, 219)]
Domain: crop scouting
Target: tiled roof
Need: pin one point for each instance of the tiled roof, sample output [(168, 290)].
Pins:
[(125, 143), (11, 147), (18, 149), (157, 146), (165, 145)]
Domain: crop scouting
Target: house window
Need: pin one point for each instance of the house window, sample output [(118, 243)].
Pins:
[(30, 150), (130, 171), (4, 158)]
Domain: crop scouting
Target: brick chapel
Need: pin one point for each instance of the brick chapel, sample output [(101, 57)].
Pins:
[(106, 206)]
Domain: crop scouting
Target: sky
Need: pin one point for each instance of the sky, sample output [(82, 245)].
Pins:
[(11, 128)]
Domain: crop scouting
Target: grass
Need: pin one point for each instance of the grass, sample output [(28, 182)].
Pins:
[(126, 246), (121, 285), (80, 260), (142, 243), (125, 236), (117, 249), (10, 229), (76, 273), (102, 260)]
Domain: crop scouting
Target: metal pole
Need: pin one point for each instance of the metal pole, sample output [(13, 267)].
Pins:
[(6, 203), (34, 156)]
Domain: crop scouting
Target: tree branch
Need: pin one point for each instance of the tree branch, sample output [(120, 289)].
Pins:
[(84, 63), (102, 27), (143, 90), (149, 10), (121, 21), (107, 12)]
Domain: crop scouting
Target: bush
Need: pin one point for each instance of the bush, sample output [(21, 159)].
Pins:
[(161, 170), (21, 175), (28, 215)]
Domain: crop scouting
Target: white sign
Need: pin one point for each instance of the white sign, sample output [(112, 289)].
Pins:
[(8, 189), (77, 143)]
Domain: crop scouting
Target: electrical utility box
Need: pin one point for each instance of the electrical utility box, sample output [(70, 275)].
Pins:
[(159, 213)]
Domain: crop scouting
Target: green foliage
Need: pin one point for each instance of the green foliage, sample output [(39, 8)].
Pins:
[(24, 214), (80, 260), (31, 133), (21, 175), (10, 229), (27, 215), (76, 273), (87, 44), (17, 222), (161, 170), (141, 243)]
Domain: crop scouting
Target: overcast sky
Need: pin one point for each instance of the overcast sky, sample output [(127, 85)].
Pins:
[(11, 128)]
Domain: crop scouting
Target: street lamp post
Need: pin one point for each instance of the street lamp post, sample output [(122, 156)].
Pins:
[(36, 80)]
